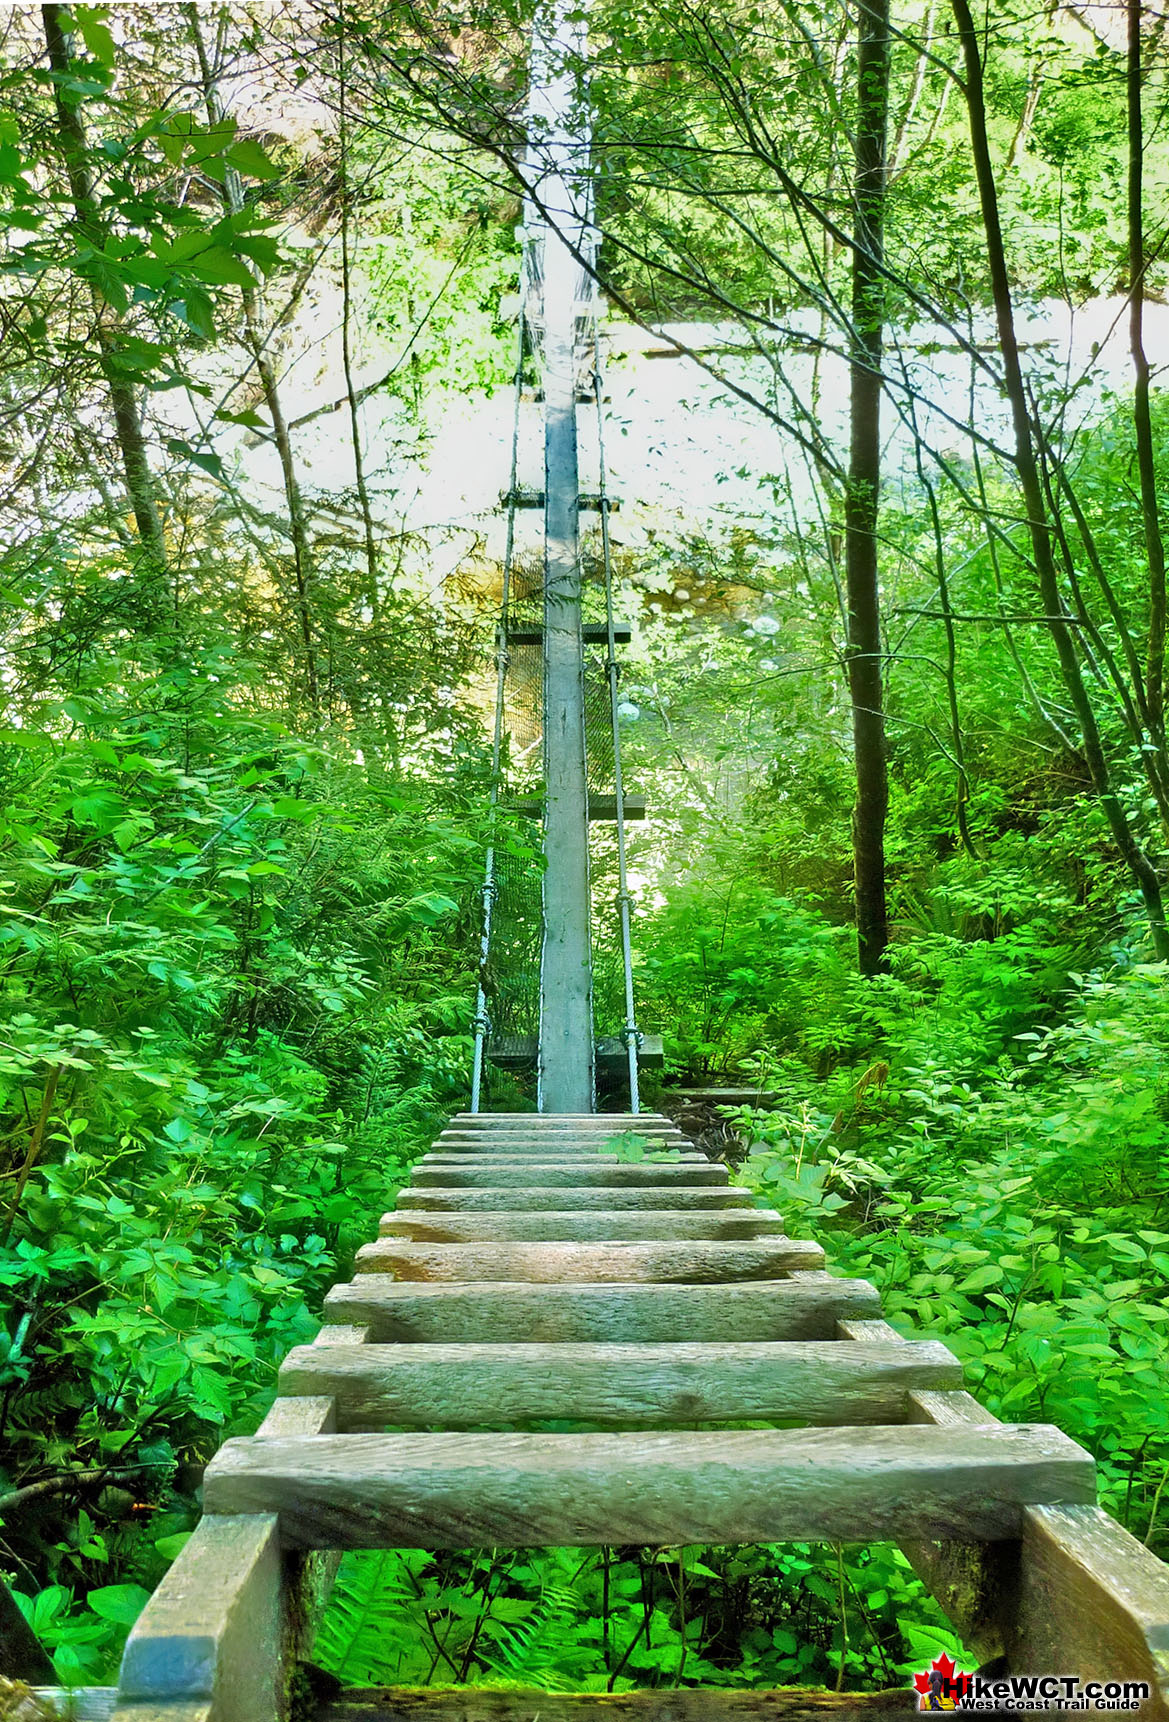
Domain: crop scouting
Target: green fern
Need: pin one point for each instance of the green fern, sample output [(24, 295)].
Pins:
[(369, 1633), (539, 1649)]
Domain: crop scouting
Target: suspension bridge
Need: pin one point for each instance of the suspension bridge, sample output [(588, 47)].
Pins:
[(578, 1264)]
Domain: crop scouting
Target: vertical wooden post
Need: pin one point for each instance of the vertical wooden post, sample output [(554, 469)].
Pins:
[(566, 1013)]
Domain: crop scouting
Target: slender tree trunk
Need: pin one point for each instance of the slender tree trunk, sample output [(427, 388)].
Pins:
[(861, 502), (909, 112), (346, 318), (1142, 421), (127, 422), (1135, 859), (302, 559), (957, 740)]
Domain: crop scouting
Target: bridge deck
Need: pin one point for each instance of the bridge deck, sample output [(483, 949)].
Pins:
[(510, 1286)]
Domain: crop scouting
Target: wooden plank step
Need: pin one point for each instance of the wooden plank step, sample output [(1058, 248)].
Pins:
[(693, 1704), (727, 1486), (688, 1263), (539, 1196), (599, 1125), (560, 1121), (513, 1142), (502, 1312), (566, 1157), (602, 1226), (464, 1386), (664, 1154), (557, 1120), (666, 1132), (558, 1147), (596, 1175)]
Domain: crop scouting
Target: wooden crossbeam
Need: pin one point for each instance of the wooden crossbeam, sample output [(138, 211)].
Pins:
[(686, 1263), (703, 1704), (624, 1311), (588, 501), (538, 1197), (504, 1225), (592, 634), (471, 1172), (756, 1486), (460, 1386)]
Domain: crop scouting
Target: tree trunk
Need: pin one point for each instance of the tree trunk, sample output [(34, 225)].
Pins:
[(302, 561), (1142, 421), (864, 657), (1135, 859), (127, 423), (346, 319)]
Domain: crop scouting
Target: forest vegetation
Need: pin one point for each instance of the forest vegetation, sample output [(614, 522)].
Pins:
[(901, 727)]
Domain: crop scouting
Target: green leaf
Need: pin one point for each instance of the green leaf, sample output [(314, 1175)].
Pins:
[(250, 419), (119, 1602), (95, 32), (247, 156), (198, 457)]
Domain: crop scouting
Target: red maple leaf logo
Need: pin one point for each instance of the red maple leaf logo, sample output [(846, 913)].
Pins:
[(951, 1683)]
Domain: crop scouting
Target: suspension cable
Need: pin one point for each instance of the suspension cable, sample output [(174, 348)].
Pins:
[(630, 1034), (482, 1021)]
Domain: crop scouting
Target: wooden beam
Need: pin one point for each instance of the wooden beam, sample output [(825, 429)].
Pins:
[(157, 1710), (706, 1704), (221, 1633), (497, 1312), (83, 1703), (587, 502), (466, 1386), (687, 1263), (730, 1486), (597, 1174), (539, 1197), (503, 1225), (1093, 1600), (591, 633), (511, 1141), (213, 1632), (521, 1157), (600, 806), (545, 1121)]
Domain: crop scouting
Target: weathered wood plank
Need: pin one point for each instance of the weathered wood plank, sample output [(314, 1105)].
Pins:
[(464, 1386), (160, 1711), (1091, 1600), (578, 1153), (1080, 1595), (301, 1416), (556, 1225), (539, 1197), (659, 1132), (557, 1120), (501, 1313), (729, 1486), (82, 1703), (213, 1632), (974, 1582), (515, 1141), (705, 1704), (226, 1622), (596, 1174), (688, 1263)]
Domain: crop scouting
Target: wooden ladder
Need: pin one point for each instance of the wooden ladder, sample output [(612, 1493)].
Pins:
[(531, 1271)]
